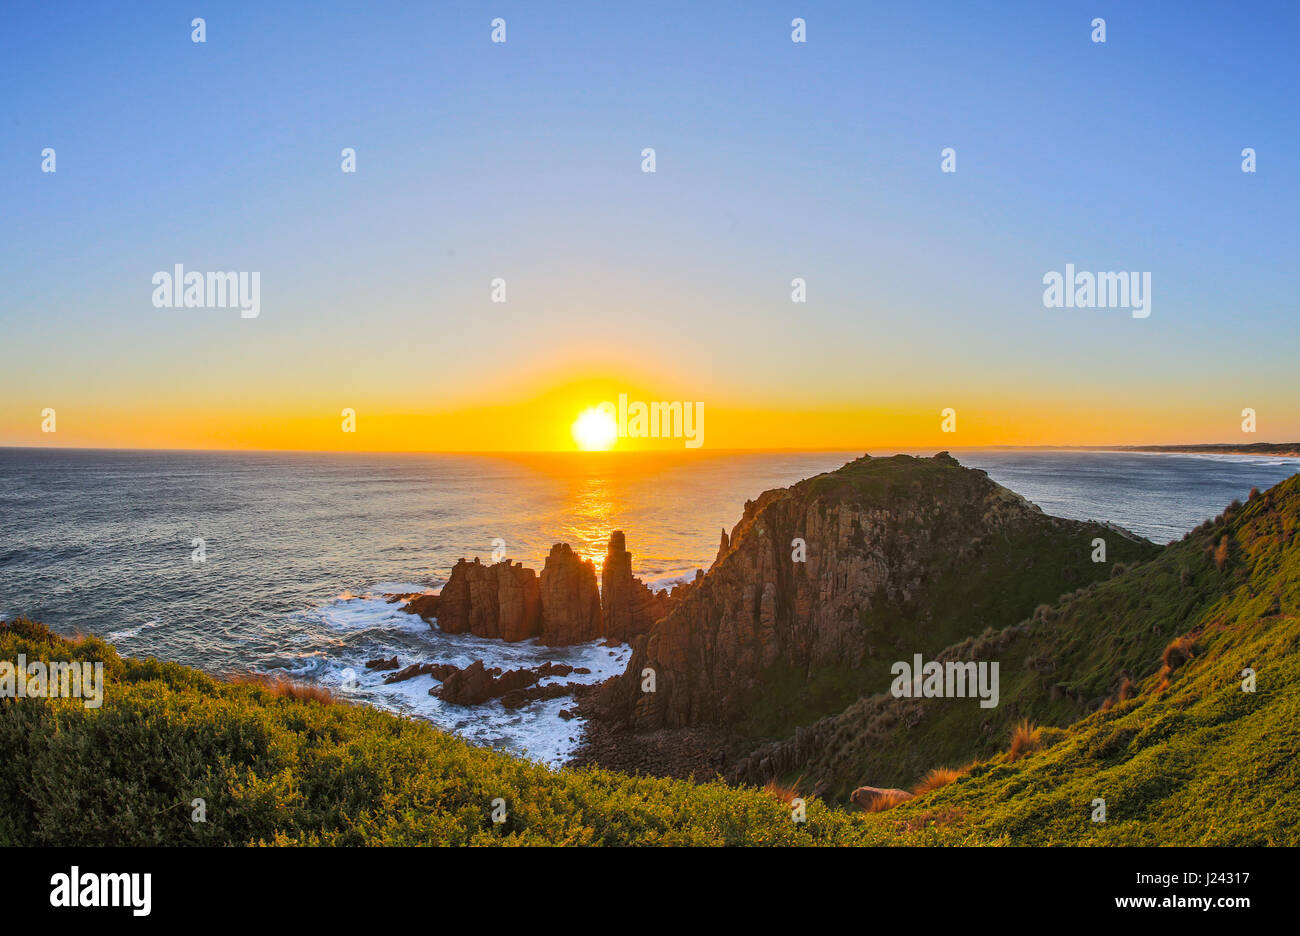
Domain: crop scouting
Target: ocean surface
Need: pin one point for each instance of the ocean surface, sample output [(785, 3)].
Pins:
[(298, 549)]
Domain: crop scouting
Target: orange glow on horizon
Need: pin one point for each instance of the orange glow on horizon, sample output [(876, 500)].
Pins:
[(541, 418)]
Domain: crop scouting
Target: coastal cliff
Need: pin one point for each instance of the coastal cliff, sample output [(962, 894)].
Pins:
[(843, 573)]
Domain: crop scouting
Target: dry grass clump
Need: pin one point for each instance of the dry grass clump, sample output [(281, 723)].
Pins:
[(1026, 738), (282, 687), (939, 777), (1221, 554), (781, 792), (1174, 657), (888, 800)]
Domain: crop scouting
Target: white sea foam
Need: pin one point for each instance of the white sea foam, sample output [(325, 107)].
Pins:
[(665, 582), (401, 588), (372, 627), (129, 633)]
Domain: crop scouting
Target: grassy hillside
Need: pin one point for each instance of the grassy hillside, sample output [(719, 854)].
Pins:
[(280, 766), (1172, 747), (1189, 757), (1181, 754), (1199, 762)]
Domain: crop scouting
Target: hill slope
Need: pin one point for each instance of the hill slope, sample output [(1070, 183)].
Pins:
[(279, 766), (1163, 739)]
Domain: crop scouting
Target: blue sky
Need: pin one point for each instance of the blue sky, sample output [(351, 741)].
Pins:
[(775, 160)]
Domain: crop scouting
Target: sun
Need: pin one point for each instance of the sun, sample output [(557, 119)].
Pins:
[(594, 430)]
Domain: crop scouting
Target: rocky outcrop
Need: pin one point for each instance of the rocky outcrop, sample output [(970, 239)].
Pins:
[(865, 797), (630, 606), (518, 698), (469, 686), (379, 663), (562, 606), (570, 600), (439, 671), (426, 606), (722, 548), (476, 684), (500, 600), (886, 540)]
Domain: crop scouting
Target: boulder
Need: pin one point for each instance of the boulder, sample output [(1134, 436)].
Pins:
[(470, 686), (864, 797), (426, 606), (439, 671)]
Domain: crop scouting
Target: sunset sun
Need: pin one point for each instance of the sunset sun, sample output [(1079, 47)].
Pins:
[(595, 430)]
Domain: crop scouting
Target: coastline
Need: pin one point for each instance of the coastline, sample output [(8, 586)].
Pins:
[(1266, 449)]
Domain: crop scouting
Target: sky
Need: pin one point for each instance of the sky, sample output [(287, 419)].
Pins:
[(522, 161)]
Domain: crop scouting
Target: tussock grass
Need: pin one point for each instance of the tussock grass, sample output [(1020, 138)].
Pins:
[(282, 687), (1026, 738), (888, 801), (781, 792), (939, 777)]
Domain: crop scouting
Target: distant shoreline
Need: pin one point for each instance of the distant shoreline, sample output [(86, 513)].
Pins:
[(1276, 449), (1284, 449)]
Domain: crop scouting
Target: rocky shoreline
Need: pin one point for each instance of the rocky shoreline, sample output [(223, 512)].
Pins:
[(476, 683)]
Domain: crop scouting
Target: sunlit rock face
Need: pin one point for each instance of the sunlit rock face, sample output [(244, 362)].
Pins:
[(570, 599), (562, 606), (630, 607), (501, 600)]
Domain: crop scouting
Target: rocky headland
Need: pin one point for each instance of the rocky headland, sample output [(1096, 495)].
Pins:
[(816, 590)]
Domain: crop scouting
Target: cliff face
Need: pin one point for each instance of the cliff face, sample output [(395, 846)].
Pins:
[(887, 544), (501, 600), (630, 606), (570, 599)]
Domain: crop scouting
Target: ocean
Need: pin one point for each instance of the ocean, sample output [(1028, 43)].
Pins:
[(298, 548)]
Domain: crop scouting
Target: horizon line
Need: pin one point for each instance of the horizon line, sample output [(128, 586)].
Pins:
[(652, 451)]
